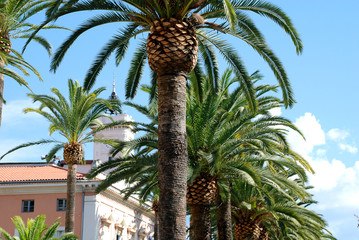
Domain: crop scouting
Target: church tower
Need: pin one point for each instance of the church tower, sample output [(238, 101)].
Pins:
[(120, 132)]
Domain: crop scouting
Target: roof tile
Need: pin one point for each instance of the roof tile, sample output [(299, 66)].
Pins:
[(34, 173)]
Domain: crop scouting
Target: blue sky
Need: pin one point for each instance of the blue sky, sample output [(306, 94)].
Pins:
[(324, 79)]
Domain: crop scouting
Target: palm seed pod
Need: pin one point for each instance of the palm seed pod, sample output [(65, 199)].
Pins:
[(155, 205), (5, 44), (73, 153), (263, 233), (172, 46), (202, 191), (247, 229)]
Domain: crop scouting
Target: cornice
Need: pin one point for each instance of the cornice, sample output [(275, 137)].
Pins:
[(48, 187), (114, 194)]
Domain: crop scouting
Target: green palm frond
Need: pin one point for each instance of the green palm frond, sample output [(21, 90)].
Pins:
[(72, 117), (36, 229), (231, 16), (44, 141), (136, 70)]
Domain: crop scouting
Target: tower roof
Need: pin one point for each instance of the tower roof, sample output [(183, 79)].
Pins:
[(113, 94)]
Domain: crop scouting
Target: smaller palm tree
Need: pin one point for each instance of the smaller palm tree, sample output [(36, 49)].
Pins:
[(36, 229), (72, 119)]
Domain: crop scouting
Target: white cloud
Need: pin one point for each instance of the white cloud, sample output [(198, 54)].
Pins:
[(312, 131), (321, 152), (335, 184), (275, 111), (337, 134), (348, 148)]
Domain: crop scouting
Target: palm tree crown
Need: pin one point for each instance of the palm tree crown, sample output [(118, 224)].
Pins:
[(178, 30), (72, 119), (148, 16)]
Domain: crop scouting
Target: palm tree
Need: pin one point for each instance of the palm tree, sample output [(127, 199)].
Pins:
[(36, 229), (14, 24), (177, 30), (224, 142), (271, 214), (213, 124), (72, 119)]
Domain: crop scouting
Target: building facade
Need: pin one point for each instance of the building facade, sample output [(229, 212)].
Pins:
[(31, 189)]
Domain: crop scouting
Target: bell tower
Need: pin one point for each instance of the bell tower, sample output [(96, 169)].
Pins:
[(119, 132)]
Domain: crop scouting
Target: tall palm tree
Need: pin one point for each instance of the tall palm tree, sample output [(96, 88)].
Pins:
[(216, 153), (177, 30), (72, 119), (15, 24)]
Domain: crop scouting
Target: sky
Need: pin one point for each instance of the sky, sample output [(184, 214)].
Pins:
[(324, 79)]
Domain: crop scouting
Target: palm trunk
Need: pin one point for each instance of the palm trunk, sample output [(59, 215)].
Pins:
[(70, 201), (1, 90), (224, 219), (172, 156), (5, 47), (155, 235), (201, 222)]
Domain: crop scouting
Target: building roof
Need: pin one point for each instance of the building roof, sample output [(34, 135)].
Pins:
[(34, 173)]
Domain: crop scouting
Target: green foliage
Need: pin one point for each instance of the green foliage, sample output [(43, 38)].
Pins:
[(15, 24), (71, 118), (233, 145), (35, 229), (211, 18)]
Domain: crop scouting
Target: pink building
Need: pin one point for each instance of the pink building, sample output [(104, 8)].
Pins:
[(31, 189)]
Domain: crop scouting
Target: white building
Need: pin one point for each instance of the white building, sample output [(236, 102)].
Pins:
[(31, 189)]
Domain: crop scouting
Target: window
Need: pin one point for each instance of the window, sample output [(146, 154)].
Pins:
[(28, 205), (61, 205), (119, 234), (60, 232)]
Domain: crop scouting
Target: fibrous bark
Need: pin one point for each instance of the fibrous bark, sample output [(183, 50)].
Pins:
[(1, 90), (70, 200), (5, 47), (172, 156), (224, 219), (201, 222), (172, 54)]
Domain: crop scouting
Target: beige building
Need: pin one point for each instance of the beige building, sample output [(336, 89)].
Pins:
[(31, 189)]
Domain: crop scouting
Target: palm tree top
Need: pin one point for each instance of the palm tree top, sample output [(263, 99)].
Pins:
[(139, 16), (72, 118)]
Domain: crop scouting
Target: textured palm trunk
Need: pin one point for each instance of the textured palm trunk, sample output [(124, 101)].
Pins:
[(70, 200), (224, 219), (1, 90), (201, 222), (155, 235), (5, 47), (155, 209), (172, 53), (172, 156)]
